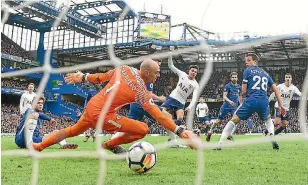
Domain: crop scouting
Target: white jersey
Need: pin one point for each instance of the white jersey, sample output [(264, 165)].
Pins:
[(287, 95), (26, 101), (184, 87), (202, 110)]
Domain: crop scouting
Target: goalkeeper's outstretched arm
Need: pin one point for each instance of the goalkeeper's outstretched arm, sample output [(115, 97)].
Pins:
[(79, 77)]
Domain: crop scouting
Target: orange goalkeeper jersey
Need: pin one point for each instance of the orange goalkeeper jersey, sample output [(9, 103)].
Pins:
[(129, 88)]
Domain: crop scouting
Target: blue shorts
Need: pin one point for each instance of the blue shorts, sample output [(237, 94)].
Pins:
[(204, 119), (224, 110), (278, 115), (21, 142), (136, 112), (252, 105), (172, 103)]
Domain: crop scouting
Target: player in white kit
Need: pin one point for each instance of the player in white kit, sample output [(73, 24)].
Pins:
[(175, 102), (202, 112), (287, 90), (26, 99)]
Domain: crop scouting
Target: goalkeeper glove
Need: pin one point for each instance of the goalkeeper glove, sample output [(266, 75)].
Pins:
[(72, 78)]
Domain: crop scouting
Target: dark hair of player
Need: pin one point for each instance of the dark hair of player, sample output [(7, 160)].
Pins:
[(253, 56), (157, 60), (233, 73), (194, 67), (288, 74), (43, 98)]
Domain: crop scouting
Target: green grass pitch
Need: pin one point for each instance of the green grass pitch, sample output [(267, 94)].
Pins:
[(255, 164)]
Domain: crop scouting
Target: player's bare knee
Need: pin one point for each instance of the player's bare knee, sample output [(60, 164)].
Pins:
[(284, 124), (277, 122), (180, 114), (235, 119)]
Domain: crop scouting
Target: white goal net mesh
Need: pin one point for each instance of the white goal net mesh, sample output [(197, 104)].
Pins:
[(100, 154)]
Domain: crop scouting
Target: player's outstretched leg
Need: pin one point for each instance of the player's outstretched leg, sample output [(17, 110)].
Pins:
[(227, 130), (82, 125), (270, 127), (179, 121), (86, 138), (172, 141), (209, 134), (93, 134), (282, 127), (230, 137), (132, 131), (65, 145), (86, 135)]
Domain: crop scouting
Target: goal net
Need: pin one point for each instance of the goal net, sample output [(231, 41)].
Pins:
[(99, 153)]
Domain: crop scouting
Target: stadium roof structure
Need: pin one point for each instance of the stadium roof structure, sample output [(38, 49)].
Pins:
[(102, 11), (122, 50), (96, 19), (286, 49), (85, 18)]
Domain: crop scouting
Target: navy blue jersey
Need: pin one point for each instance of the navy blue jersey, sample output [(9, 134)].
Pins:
[(20, 128), (149, 86), (257, 81), (233, 92), (91, 93)]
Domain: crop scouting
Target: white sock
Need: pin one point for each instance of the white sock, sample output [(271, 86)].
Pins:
[(270, 127), (172, 137), (227, 131), (63, 142), (30, 126), (233, 130)]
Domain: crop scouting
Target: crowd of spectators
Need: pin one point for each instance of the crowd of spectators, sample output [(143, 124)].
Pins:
[(214, 87), (17, 84), (73, 104), (10, 47), (164, 85), (10, 119)]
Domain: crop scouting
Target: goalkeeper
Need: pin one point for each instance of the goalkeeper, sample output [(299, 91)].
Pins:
[(130, 87)]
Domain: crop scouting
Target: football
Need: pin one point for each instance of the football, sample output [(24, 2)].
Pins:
[(141, 157)]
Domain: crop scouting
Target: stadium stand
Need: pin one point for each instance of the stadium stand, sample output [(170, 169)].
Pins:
[(10, 119), (15, 83), (81, 49), (214, 88), (163, 86), (10, 47)]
